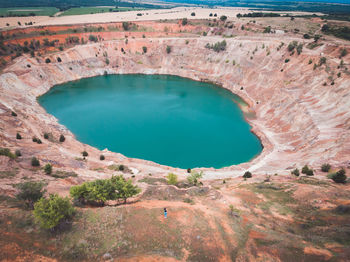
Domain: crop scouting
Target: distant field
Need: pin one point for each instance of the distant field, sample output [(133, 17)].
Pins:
[(28, 11), (94, 10)]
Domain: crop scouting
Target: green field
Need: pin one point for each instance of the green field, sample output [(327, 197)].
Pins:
[(94, 10), (28, 11)]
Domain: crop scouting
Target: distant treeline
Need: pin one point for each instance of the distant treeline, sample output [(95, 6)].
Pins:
[(258, 14), (67, 4)]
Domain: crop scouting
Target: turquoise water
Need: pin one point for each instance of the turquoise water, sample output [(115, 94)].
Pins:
[(166, 119)]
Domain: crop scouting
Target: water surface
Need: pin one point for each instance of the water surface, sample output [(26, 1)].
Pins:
[(166, 119)]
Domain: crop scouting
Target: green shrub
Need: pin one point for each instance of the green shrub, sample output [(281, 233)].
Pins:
[(306, 36), (102, 157), (13, 113), (35, 161), (223, 18), (339, 176), (292, 45), (194, 177), (218, 46), (47, 60), (193, 14), (299, 49), (172, 179), (50, 212), (325, 167), (62, 138), (99, 191), (168, 49), (48, 169), (126, 26), (247, 174), (84, 153), (18, 152), (144, 49), (189, 170), (184, 21), (296, 172), (286, 60), (30, 192), (18, 136), (7, 152), (307, 171), (343, 52), (59, 60), (322, 61), (46, 135)]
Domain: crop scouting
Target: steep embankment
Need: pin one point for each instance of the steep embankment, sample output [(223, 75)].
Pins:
[(298, 118)]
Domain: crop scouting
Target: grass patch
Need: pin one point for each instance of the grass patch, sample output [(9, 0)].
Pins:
[(63, 174), (153, 180), (28, 11), (7, 174), (95, 10), (312, 181)]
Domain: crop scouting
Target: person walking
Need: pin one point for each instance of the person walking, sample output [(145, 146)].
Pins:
[(165, 212)]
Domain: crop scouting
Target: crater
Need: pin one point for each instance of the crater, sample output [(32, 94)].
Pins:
[(166, 119)]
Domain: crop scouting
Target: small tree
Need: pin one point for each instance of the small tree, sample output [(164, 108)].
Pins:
[(18, 136), (48, 169), (46, 135), (339, 176), (30, 192), (172, 179), (49, 213), (343, 52), (125, 188), (168, 49), (18, 153), (247, 174), (144, 49), (193, 14), (47, 60), (62, 138), (13, 113), (325, 167), (296, 172), (35, 161), (184, 21), (84, 153), (102, 157), (194, 177), (307, 171), (125, 26)]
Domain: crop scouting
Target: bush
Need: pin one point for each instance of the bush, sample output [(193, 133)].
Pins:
[(93, 38), (144, 49), (322, 61), (287, 60), (299, 49), (193, 14), (306, 36), (18, 136), (48, 169), (34, 139), (217, 47), (35, 161), (168, 49), (84, 153), (18, 152), (62, 138), (47, 60), (223, 18), (59, 60), (172, 179), (307, 171), (296, 172), (13, 113), (292, 45), (339, 176), (99, 191), (343, 52), (126, 26), (325, 167), (49, 213), (184, 21), (102, 157), (7, 152), (194, 177), (247, 174), (30, 192), (46, 135)]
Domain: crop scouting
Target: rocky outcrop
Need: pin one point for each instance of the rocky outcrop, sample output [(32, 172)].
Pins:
[(298, 119)]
